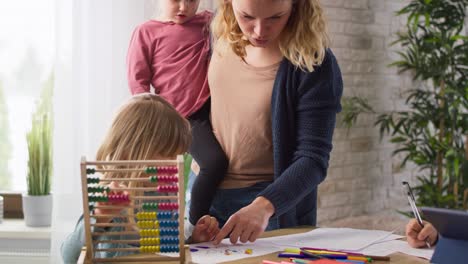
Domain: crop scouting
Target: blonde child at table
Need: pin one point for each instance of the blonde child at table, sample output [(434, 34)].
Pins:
[(145, 128)]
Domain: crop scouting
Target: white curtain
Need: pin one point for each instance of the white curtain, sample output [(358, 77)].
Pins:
[(92, 41)]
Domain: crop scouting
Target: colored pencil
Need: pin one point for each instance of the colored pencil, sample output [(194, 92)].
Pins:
[(291, 255), (270, 262), (320, 250), (336, 257)]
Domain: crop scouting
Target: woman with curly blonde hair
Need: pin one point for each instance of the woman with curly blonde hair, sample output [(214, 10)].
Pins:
[(275, 88)]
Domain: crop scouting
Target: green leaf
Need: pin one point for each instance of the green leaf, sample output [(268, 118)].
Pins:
[(398, 139)]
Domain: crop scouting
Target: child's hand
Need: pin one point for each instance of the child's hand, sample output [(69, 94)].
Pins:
[(205, 229), (417, 235), (110, 212)]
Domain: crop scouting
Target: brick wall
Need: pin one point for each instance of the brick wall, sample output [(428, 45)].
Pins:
[(363, 177)]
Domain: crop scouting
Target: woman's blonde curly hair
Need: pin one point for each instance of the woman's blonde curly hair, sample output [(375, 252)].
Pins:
[(303, 41)]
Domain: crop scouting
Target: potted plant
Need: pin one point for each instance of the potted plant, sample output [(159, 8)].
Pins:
[(430, 134), (37, 203), (433, 132)]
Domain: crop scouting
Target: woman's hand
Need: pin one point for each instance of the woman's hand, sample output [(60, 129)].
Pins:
[(102, 211), (205, 229), (248, 223), (417, 235)]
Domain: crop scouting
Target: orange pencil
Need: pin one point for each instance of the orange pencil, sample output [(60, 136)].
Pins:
[(358, 258)]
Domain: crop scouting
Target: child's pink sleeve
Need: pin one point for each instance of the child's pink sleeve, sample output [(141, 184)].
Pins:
[(139, 61)]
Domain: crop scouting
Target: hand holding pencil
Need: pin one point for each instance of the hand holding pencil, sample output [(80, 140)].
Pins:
[(426, 233), (418, 235)]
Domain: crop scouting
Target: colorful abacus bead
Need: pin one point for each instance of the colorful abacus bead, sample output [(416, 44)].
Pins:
[(91, 180), (153, 179), (169, 249), (169, 232), (90, 171), (157, 249), (169, 223), (118, 198), (169, 240), (168, 206), (98, 198), (150, 206), (167, 215), (164, 178), (147, 241), (150, 249), (145, 224), (168, 188), (167, 169), (98, 189), (146, 215), (151, 170), (149, 232), (167, 178)]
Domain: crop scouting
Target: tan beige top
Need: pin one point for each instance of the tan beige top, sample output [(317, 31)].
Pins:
[(241, 117)]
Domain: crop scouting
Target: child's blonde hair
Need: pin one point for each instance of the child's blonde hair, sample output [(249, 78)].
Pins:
[(145, 127), (303, 41)]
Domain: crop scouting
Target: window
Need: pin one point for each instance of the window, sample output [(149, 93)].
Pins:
[(27, 49)]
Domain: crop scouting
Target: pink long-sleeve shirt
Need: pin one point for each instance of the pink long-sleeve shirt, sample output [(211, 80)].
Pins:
[(173, 58)]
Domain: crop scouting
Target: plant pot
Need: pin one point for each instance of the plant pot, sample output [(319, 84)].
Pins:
[(37, 210)]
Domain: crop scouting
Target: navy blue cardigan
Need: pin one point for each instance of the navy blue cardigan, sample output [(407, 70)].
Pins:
[(304, 107)]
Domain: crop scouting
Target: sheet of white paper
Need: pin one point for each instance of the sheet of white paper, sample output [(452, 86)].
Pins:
[(208, 253), (329, 238), (389, 247), (391, 237), (333, 238)]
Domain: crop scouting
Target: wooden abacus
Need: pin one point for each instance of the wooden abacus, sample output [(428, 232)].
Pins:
[(159, 219)]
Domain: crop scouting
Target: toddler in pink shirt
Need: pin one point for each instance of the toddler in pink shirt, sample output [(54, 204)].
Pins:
[(171, 54)]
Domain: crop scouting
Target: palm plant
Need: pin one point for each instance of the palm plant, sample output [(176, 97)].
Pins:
[(430, 134)]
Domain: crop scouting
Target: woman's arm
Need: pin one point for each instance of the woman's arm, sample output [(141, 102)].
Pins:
[(317, 103)]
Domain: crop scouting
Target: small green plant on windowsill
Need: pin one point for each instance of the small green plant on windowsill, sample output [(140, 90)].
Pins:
[(37, 204), (40, 155)]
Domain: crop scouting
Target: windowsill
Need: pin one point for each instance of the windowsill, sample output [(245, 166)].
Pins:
[(17, 229), (22, 244)]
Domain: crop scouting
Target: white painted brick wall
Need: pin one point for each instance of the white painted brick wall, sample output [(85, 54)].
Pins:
[(363, 177)]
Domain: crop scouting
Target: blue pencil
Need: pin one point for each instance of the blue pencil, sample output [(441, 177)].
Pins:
[(351, 261), (292, 255)]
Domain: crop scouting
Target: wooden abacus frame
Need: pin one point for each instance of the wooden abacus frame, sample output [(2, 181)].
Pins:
[(87, 215)]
